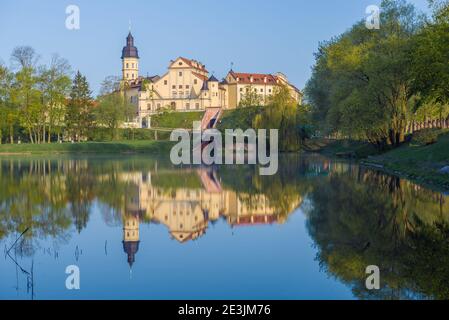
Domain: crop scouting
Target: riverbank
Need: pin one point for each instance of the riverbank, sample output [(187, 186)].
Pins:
[(420, 163), (119, 147)]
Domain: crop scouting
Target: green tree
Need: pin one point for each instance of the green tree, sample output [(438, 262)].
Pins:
[(6, 112), (114, 107), (250, 97), (361, 83), (55, 86), (281, 113), (430, 69), (79, 116), (25, 94)]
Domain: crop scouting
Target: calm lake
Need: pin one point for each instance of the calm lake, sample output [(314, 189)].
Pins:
[(140, 228)]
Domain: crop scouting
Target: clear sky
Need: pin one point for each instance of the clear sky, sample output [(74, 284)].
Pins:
[(257, 36)]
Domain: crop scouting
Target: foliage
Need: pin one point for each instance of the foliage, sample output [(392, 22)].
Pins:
[(79, 117), (361, 83), (282, 113), (431, 54), (250, 97), (425, 137), (240, 118)]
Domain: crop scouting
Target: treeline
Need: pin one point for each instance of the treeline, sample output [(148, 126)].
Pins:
[(380, 85), (43, 103)]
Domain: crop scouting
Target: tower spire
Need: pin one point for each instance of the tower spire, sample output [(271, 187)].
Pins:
[(129, 26)]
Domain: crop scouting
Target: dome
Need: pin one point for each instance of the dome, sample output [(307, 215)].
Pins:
[(131, 248), (130, 51)]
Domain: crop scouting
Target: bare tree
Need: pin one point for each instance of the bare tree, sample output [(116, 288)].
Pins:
[(24, 57)]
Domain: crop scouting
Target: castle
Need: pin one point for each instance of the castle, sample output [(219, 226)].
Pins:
[(187, 86)]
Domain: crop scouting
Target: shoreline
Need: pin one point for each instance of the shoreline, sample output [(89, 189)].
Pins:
[(113, 147)]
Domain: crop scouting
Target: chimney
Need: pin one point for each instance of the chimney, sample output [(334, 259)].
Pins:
[(265, 79), (251, 79)]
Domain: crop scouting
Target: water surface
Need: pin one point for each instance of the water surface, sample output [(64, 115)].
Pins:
[(139, 228)]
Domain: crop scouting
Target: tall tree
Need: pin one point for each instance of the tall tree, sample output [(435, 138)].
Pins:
[(361, 83), (55, 84), (250, 97), (114, 107), (281, 113), (24, 92), (79, 116), (431, 55)]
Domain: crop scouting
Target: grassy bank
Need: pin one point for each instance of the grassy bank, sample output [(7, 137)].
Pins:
[(420, 163), (151, 147)]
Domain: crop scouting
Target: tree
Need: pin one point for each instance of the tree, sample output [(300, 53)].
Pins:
[(361, 83), (7, 112), (281, 113), (24, 93), (113, 107), (79, 115), (431, 55), (250, 98), (55, 86)]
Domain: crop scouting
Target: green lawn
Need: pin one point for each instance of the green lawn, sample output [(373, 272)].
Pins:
[(175, 120), (419, 163), (153, 147)]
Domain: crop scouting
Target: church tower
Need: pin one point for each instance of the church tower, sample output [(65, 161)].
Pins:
[(130, 60)]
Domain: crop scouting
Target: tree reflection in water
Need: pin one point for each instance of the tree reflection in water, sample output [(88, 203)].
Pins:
[(363, 218)]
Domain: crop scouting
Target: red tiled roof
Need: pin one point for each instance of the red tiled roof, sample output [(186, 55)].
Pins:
[(258, 78)]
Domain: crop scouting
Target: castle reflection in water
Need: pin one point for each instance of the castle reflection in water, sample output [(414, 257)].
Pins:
[(187, 212)]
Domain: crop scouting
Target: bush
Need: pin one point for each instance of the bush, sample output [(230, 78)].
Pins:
[(425, 137)]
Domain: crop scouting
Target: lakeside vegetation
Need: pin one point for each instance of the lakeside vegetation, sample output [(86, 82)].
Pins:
[(383, 95), (148, 147)]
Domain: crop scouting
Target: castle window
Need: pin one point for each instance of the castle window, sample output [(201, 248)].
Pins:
[(187, 86), (261, 90), (180, 63), (173, 87), (187, 106), (127, 65), (133, 65), (165, 82), (195, 81), (180, 86), (158, 105), (127, 75), (241, 89), (180, 74), (197, 105)]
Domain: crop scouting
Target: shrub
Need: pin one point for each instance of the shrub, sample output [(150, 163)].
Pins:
[(425, 137)]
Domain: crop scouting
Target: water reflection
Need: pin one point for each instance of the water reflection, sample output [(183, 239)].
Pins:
[(355, 217)]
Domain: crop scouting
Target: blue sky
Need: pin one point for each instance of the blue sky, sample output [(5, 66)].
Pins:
[(257, 36)]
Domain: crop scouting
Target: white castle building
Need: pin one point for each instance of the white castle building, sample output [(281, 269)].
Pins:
[(187, 86)]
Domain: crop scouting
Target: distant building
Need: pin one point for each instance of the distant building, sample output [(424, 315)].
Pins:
[(187, 86)]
